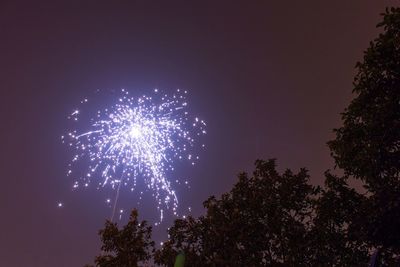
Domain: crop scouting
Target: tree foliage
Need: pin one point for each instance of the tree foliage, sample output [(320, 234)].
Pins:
[(125, 247), (266, 219), (367, 146), (270, 219), (332, 239)]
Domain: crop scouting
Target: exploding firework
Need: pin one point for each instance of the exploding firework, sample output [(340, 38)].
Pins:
[(136, 138)]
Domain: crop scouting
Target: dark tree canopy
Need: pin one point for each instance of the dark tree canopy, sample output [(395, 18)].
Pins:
[(125, 247), (331, 238), (266, 219), (270, 219), (367, 146)]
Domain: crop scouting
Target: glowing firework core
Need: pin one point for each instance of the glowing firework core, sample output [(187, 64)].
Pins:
[(135, 132), (137, 138)]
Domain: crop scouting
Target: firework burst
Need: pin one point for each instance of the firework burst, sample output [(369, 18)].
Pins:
[(135, 138)]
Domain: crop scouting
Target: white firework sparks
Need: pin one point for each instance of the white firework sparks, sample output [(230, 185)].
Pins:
[(136, 137)]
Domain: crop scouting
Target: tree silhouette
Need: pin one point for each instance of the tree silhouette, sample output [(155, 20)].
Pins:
[(331, 239), (125, 247), (367, 146), (270, 219)]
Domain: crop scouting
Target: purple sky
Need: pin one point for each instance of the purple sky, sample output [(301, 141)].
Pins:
[(269, 77)]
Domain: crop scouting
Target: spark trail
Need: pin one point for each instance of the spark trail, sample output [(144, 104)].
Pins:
[(135, 138)]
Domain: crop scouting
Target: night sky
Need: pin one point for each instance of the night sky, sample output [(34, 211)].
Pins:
[(269, 77)]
